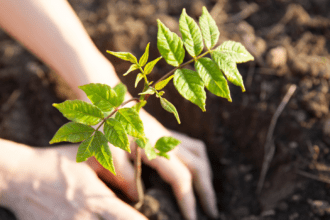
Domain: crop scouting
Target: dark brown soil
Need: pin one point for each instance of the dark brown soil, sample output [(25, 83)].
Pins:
[(290, 40)]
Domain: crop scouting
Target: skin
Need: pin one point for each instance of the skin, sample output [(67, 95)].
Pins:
[(53, 32)]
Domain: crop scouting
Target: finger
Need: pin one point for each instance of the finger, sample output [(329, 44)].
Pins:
[(174, 172), (110, 208), (202, 180), (194, 145), (124, 180)]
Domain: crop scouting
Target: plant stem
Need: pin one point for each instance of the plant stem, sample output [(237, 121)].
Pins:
[(138, 172), (116, 109), (181, 66)]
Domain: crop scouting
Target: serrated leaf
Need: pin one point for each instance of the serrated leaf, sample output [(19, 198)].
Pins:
[(229, 68), (149, 91), (97, 146), (190, 86), (191, 34), (236, 51), (124, 56), (166, 144), (80, 112), (149, 67), (213, 77), (170, 108), (148, 149), (120, 90), (72, 132), (116, 134), (169, 45), (160, 85), (139, 105), (131, 121), (141, 142), (138, 79), (162, 154), (131, 68), (143, 60), (101, 95), (209, 29)]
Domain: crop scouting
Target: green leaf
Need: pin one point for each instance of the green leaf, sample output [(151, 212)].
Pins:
[(163, 83), (213, 77), (143, 60), (131, 121), (141, 142), (229, 68), (116, 134), (149, 91), (120, 90), (170, 108), (97, 146), (138, 79), (131, 68), (148, 149), (209, 29), (124, 56), (166, 144), (149, 67), (169, 45), (72, 132), (139, 105), (190, 86), (101, 95), (235, 51), (80, 112), (162, 154), (191, 34)]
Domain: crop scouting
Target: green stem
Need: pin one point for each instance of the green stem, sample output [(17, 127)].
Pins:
[(116, 109), (181, 66)]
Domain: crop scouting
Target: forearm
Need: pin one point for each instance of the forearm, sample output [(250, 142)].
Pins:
[(53, 32)]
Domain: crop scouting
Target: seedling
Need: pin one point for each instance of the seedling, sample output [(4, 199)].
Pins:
[(118, 122)]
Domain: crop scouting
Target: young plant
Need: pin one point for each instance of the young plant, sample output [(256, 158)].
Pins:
[(118, 122)]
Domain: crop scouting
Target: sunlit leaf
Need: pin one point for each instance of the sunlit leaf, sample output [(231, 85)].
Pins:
[(166, 144), (149, 67), (143, 60), (169, 45), (170, 108), (120, 90), (160, 85), (80, 112), (116, 134), (229, 68), (138, 79), (72, 132), (149, 91), (235, 51), (124, 56), (191, 34), (209, 29), (148, 149), (190, 86), (212, 77), (97, 146), (101, 95), (131, 121), (131, 68)]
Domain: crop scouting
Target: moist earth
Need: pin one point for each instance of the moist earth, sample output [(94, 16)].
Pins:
[(290, 41)]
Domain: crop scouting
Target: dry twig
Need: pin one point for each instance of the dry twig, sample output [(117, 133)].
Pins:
[(269, 147)]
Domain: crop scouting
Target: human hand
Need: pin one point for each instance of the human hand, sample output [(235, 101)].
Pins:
[(188, 166), (49, 184)]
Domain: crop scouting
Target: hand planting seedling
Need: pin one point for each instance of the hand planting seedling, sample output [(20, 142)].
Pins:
[(107, 107)]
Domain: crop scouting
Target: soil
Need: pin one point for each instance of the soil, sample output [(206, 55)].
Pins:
[(290, 41)]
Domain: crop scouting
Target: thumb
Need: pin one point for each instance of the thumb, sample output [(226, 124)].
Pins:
[(124, 178)]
